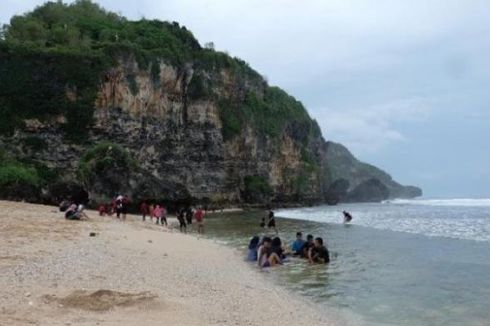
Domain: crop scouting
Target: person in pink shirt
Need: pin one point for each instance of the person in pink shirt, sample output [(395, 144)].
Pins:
[(157, 212)]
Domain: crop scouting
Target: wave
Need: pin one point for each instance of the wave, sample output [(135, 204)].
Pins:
[(454, 218), (463, 202)]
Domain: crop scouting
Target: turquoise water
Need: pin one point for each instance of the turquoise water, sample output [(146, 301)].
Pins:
[(400, 271)]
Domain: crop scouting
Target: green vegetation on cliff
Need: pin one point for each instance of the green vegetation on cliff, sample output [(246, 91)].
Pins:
[(257, 189), (64, 49), (106, 165)]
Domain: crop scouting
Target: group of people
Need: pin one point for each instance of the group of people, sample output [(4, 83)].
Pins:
[(184, 216), (268, 252), (119, 205)]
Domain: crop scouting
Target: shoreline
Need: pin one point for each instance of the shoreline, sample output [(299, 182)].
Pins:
[(135, 272)]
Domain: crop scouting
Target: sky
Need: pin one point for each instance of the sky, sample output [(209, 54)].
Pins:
[(405, 85)]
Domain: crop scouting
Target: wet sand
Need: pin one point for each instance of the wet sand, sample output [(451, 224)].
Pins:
[(52, 272)]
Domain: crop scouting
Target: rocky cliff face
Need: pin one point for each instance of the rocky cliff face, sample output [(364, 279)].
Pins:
[(158, 117), (179, 148)]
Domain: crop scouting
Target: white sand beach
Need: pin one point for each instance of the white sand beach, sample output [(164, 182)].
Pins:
[(52, 272)]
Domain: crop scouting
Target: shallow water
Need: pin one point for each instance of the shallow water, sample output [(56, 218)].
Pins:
[(383, 276)]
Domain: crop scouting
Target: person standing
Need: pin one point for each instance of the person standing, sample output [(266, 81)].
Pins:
[(272, 221), (151, 208), (199, 216), (164, 216), (119, 206), (125, 206), (157, 212), (144, 210), (181, 219), (188, 215)]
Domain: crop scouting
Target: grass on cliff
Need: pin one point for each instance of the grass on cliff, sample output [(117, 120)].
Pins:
[(18, 174)]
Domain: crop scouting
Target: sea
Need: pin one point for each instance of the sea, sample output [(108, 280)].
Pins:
[(400, 262)]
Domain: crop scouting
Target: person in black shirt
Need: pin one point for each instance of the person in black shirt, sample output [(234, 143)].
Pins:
[(303, 252), (188, 215), (272, 221), (347, 217), (181, 219), (319, 253)]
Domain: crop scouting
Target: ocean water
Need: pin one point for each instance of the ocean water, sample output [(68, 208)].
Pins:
[(398, 263)]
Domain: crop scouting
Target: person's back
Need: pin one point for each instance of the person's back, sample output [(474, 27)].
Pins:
[(253, 248)]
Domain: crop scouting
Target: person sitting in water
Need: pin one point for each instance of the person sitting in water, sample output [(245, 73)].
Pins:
[(252, 249), (298, 244), (347, 216), (306, 246), (319, 253), (276, 247), (265, 256)]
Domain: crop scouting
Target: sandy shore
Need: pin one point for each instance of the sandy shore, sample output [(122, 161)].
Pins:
[(52, 272)]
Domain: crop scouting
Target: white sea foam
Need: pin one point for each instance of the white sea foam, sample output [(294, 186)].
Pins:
[(464, 202), (456, 218)]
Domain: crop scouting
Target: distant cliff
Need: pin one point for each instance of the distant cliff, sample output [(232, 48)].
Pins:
[(91, 102)]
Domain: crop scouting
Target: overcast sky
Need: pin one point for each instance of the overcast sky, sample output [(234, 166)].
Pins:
[(405, 85)]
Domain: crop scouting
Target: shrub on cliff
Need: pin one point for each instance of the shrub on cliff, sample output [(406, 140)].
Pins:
[(19, 182), (257, 189), (106, 168)]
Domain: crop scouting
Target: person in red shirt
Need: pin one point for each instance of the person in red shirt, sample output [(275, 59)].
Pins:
[(145, 210), (199, 216), (102, 210)]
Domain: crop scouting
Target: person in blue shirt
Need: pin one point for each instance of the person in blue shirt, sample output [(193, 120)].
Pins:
[(298, 244)]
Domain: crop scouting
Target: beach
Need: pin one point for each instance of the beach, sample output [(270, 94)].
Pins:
[(107, 272)]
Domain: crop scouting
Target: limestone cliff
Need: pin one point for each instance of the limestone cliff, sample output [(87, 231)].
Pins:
[(188, 125)]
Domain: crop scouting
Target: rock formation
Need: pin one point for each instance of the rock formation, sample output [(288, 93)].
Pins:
[(204, 127)]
